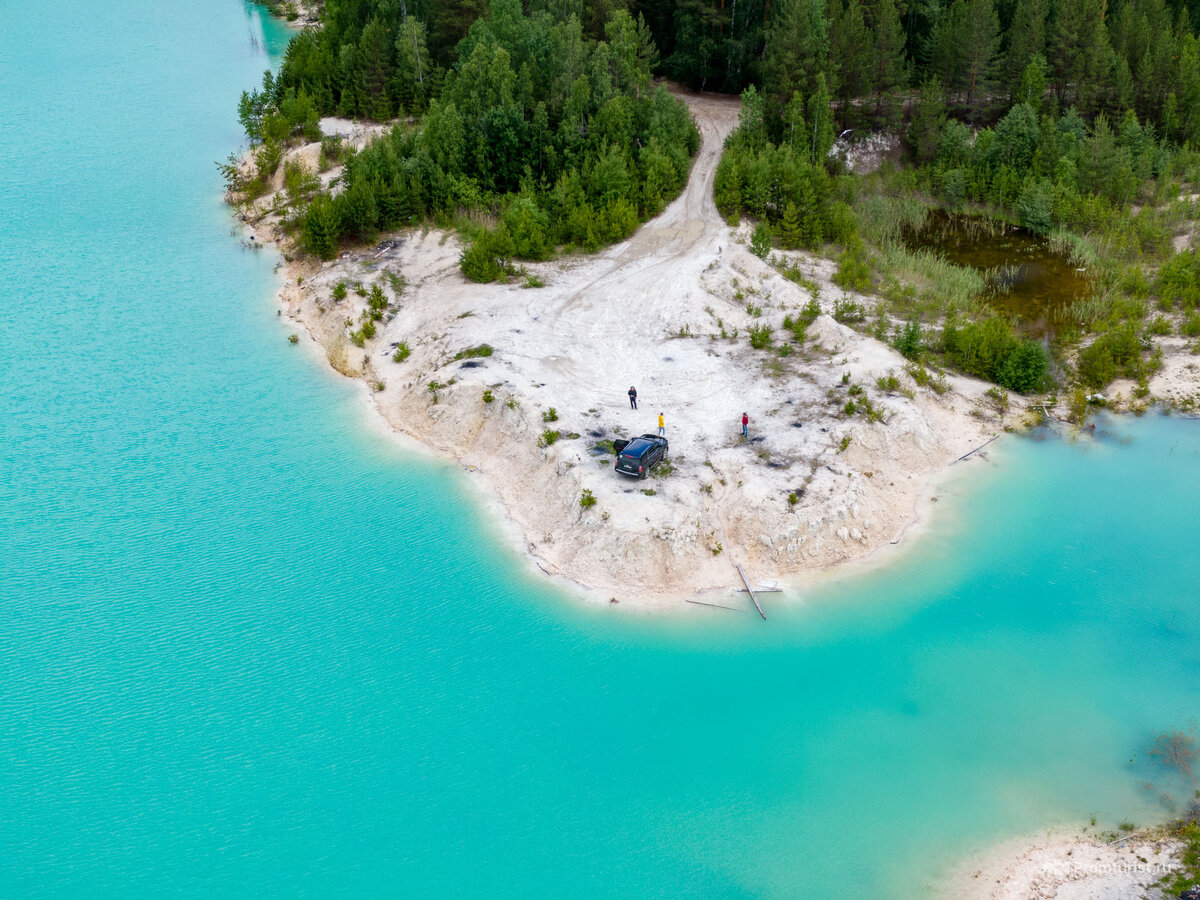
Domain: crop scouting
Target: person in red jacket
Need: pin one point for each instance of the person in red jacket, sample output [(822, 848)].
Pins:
[(745, 425)]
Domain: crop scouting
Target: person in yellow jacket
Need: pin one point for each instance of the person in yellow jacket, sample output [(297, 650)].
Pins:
[(662, 426)]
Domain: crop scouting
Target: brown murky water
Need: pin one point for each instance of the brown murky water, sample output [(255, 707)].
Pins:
[(1029, 280)]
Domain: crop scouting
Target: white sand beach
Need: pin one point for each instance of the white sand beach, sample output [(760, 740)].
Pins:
[(648, 312), (1066, 865)]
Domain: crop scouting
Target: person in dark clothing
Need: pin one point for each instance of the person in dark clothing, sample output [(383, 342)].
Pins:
[(632, 397)]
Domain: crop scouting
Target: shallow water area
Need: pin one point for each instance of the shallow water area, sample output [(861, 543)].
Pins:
[(249, 647), (1030, 280)]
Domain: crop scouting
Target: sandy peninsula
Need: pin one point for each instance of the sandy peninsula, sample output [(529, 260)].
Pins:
[(667, 311)]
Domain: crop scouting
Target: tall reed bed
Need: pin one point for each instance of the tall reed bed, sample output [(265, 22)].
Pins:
[(938, 287), (883, 219)]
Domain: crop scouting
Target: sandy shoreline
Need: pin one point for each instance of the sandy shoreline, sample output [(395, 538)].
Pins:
[(668, 310), (1066, 864), (650, 311)]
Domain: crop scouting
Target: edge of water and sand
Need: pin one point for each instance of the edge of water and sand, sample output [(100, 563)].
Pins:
[(654, 310), (812, 491), (659, 310), (1068, 863)]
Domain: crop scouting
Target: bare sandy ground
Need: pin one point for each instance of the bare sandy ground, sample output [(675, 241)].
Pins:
[(648, 312), (1066, 866)]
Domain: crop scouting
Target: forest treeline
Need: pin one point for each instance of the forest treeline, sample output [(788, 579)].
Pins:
[(546, 128), (1093, 55), (550, 102), (383, 58)]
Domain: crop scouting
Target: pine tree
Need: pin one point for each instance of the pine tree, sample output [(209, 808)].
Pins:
[(981, 40), (797, 49), (410, 84), (697, 57), (374, 70), (945, 50), (820, 117), (321, 228), (928, 119), (791, 236), (810, 213), (795, 128), (852, 53), (888, 71), (1080, 54), (1032, 89), (1026, 39)]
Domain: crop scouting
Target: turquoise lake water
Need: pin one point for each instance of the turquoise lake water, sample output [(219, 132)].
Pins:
[(248, 647)]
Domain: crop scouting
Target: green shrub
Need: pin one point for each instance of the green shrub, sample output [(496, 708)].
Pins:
[(1036, 208), (760, 336), (488, 257), (1025, 369), (760, 240), (908, 340), (848, 311), (488, 396), (483, 350), (1117, 351), (587, 500), (402, 352), (547, 438), (797, 326), (322, 224), (298, 181), (550, 415), (339, 291), (921, 376), (266, 159), (990, 350), (1178, 282), (853, 271), (363, 334), (1159, 326), (1077, 407), (1191, 326), (528, 225), (888, 383)]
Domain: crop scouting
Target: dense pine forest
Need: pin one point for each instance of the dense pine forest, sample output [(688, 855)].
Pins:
[(549, 125), (536, 127), (383, 58)]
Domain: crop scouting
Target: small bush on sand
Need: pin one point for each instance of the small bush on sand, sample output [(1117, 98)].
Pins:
[(760, 240), (483, 350)]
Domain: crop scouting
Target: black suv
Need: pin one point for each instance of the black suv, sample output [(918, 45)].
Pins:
[(639, 456)]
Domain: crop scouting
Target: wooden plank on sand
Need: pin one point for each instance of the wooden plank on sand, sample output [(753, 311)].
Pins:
[(750, 591), (715, 605)]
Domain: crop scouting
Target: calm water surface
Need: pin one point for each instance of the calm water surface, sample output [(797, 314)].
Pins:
[(249, 648), (1028, 280)]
